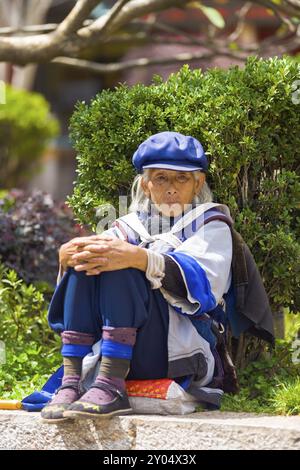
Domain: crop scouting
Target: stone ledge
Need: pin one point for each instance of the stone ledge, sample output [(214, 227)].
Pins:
[(198, 431)]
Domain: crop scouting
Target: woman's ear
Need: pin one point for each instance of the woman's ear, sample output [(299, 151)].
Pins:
[(200, 182), (144, 185)]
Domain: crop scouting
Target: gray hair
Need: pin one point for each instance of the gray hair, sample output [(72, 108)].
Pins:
[(139, 200)]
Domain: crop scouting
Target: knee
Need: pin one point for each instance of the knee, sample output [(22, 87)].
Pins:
[(129, 279), (80, 275), (122, 274), (73, 273)]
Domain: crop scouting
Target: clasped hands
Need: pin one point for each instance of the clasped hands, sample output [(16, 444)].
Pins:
[(99, 253)]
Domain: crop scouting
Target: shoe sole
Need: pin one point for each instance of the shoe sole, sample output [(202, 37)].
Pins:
[(55, 420), (84, 414)]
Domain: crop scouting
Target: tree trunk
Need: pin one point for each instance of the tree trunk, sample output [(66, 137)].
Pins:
[(19, 13), (245, 349), (279, 323)]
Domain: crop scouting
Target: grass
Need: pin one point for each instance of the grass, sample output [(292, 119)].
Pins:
[(272, 384), (286, 399)]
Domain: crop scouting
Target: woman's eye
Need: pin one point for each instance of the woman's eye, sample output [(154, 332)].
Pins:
[(160, 179), (182, 179)]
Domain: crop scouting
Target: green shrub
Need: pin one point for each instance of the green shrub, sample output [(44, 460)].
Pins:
[(249, 126), (32, 349), (269, 385), (25, 128)]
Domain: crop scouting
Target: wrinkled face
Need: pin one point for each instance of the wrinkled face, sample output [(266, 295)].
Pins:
[(171, 190)]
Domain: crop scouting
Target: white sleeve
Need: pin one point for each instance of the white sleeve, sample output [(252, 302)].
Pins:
[(211, 246), (205, 264), (155, 268)]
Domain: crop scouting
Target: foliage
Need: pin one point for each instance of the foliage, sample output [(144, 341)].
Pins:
[(32, 350), (292, 326), (249, 126), (271, 384), (32, 227), (261, 382), (286, 399), (25, 128)]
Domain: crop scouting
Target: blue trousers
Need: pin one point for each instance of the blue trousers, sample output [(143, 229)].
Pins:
[(121, 298)]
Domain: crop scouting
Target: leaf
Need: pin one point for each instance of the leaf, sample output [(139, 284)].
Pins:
[(212, 14)]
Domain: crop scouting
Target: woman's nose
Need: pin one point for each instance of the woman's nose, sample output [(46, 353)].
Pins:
[(171, 191)]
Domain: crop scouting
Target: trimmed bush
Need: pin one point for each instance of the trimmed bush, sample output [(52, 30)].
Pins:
[(250, 127), (25, 129)]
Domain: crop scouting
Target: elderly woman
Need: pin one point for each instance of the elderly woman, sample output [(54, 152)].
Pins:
[(142, 285)]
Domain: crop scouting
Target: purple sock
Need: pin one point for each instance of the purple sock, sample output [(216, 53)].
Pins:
[(102, 397), (116, 365), (67, 395), (119, 335), (76, 337)]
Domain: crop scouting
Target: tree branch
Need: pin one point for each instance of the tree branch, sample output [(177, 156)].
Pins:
[(75, 34), (37, 29), (76, 17), (110, 17), (241, 19), (212, 52), (103, 69), (133, 9), (286, 7), (189, 38), (44, 48)]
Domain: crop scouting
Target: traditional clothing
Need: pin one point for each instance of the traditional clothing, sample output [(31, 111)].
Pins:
[(168, 344), (162, 323)]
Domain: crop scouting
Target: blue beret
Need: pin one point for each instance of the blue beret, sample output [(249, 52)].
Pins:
[(172, 151)]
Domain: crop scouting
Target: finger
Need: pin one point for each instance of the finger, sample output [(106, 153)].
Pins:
[(97, 248), (104, 237), (87, 255), (89, 258), (87, 240), (99, 252), (97, 271), (101, 262), (93, 273), (89, 265), (71, 264), (83, 267), (82, 256), (82, 239)]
